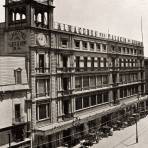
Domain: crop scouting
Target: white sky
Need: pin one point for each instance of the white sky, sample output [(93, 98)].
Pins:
[(121, 17)]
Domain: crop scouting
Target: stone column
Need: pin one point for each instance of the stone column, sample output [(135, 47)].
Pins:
[(53, 90)]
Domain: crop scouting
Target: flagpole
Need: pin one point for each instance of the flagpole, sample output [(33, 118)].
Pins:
[(142, 29)]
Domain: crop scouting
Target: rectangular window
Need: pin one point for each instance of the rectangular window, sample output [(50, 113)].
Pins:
[(120, 61), (121, 93), (84, 45), (41, 63), (86, 102), (43, 111), (125, 92), (78, 83), (92, 81), (43, 87), (92, 46), (92, 63), (86, 82), (65, 60), (104, 47), (104, 62), (85, 63), (78, 103), (77, 44), (105, 80), (64, 43), (99, 62), (99, 81), (77, 63), (17, 112), (119, 49), (105, 97), (98, 47), (99, 98), (93, 100), (65, 82), (18, 76), (127, 50)]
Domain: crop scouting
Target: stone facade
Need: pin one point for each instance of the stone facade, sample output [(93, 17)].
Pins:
[(78, 78)]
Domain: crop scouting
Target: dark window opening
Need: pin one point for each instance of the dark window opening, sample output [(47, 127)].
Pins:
[(77, 63), (41, 63), (86, 102), (93, 100), (64, 43), (65, 60), (66, 107), (17, 113), (65, 84), (99, 98), (92, 63), (85, 45), (85, 63), (92, 46), (77, 44), (78, 103)]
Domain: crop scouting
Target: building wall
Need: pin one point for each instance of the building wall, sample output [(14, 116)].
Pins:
[(6, 111), (7, 66)]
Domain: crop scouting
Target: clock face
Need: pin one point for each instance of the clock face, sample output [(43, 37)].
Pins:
[(41, 39)]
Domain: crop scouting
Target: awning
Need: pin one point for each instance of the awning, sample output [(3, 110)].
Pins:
[(60, 126)]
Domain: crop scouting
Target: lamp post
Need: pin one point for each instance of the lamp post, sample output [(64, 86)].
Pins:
[(9, 138), (137, 138)]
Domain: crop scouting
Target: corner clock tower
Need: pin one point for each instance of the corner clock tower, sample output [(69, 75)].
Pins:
[(26, 21), (29, 13)]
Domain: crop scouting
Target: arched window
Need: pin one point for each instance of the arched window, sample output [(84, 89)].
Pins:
[(45, 18), (18, 17), (23, 16), (13, 16), (39, 17)]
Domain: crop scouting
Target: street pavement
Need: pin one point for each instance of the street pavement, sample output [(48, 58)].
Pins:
[(126, 138)]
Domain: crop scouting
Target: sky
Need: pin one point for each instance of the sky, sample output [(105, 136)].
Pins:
[(120, 17)]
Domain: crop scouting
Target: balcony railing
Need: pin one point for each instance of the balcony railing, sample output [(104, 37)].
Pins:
[(42, 70), (19, 120), (66, 92), (65, 69), (89, 69)]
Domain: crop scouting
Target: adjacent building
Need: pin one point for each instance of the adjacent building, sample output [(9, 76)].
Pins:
[(146, 74), (14, 123), (78, 78)]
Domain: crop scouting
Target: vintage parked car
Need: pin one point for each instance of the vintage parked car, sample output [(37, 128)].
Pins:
[(107, 131)]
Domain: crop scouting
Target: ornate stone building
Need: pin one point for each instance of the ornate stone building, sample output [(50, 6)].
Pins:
[(79, 78)]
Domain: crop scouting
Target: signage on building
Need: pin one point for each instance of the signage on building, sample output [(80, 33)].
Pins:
[(17, 40)]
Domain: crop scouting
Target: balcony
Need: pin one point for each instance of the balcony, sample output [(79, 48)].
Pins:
[(116, 102), (42, 70), (65, 69), (90, 69), (67, 117), (66, 92), (17, 121)]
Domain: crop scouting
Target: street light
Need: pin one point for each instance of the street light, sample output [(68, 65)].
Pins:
[(9, 138), (137, 138)]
